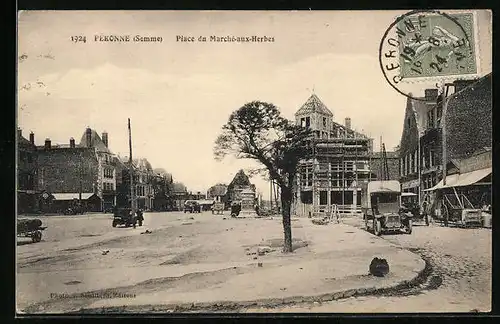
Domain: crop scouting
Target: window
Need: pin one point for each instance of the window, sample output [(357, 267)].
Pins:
[(415, 159), (308, 122), (324, 121), (303, 122), (323, 198)]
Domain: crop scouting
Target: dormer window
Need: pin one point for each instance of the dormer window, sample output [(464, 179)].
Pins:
[(324, 121)]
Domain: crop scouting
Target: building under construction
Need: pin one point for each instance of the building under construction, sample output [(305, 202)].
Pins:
[(333, 178)]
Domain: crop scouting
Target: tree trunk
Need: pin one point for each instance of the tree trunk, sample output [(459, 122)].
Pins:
[(286, 204)]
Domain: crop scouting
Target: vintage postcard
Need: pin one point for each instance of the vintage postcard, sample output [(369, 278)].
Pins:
[(254, 161)]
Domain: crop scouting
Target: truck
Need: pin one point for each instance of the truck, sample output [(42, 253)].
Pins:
[(382, 210)]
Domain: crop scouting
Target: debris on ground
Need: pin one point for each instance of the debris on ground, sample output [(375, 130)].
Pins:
[(105, 252), (379, 267), (147, 232), (259, 264), (186, 223), (255, 258), (191, 217), (262, 250), (323, 221)]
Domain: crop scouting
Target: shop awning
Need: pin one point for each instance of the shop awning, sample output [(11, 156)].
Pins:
[(71, 196), (464, 179)]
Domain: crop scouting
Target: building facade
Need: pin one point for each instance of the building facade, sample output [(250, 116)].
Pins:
[(82, 170), (466, 124), (27, 171), (340, 163)]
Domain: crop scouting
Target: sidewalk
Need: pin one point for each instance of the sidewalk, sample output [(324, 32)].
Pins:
[(333, 265)]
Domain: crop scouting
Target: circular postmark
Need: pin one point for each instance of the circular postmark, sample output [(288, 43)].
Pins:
[(429, 46)]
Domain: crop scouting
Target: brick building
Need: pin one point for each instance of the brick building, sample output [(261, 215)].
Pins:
[(27, 169), (162, 186), (144, 183), (340, 163), (377, 164), (84, 173), (468, 130)]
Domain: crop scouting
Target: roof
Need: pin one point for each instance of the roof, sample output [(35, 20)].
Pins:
[(314, 105), (95, 141), (463, 179), (71, 196), (384, 186), (419, 109), (142, 163), (23, 141)]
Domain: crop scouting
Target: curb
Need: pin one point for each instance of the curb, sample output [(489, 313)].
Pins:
[(224, 306)]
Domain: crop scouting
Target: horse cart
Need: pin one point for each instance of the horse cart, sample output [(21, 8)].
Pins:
[(457, 209), (30, 228)]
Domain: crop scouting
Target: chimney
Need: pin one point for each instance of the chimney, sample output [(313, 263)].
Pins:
[(88, 136), (32, 138), (72, 142), (105, 138), (431, 94), (19, 132), (47, 143), (348, 123)]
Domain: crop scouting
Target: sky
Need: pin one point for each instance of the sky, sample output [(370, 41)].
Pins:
[(179, 94)]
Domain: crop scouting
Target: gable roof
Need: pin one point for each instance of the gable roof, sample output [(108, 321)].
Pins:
[(95, 141), (314, 105)]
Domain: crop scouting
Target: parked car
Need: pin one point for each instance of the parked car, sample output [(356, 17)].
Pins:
[(381, 205), (409, 204), (124, 216), (192, 206)]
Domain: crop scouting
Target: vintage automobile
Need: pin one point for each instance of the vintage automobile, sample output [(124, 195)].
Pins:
[(192, 206), (124, 216), (457, 209), (409, 203), (381, 205), (218, 207)]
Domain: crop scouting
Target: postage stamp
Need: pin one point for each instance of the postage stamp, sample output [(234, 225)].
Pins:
[(436, 45), (429, 46)]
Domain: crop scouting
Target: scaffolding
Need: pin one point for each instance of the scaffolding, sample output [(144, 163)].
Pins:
[(336, 169)]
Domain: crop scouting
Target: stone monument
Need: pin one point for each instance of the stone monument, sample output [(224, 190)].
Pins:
[(247, 198)]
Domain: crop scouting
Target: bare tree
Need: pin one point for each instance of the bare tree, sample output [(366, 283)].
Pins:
[(258, 131)]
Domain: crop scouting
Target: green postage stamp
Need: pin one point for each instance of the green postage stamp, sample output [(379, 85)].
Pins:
[(436, 44)]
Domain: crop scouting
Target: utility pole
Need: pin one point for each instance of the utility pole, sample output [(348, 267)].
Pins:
[(444, 102), (132, 198)]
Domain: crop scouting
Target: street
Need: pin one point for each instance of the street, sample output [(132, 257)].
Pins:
[(460, 280), (83, 253)]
